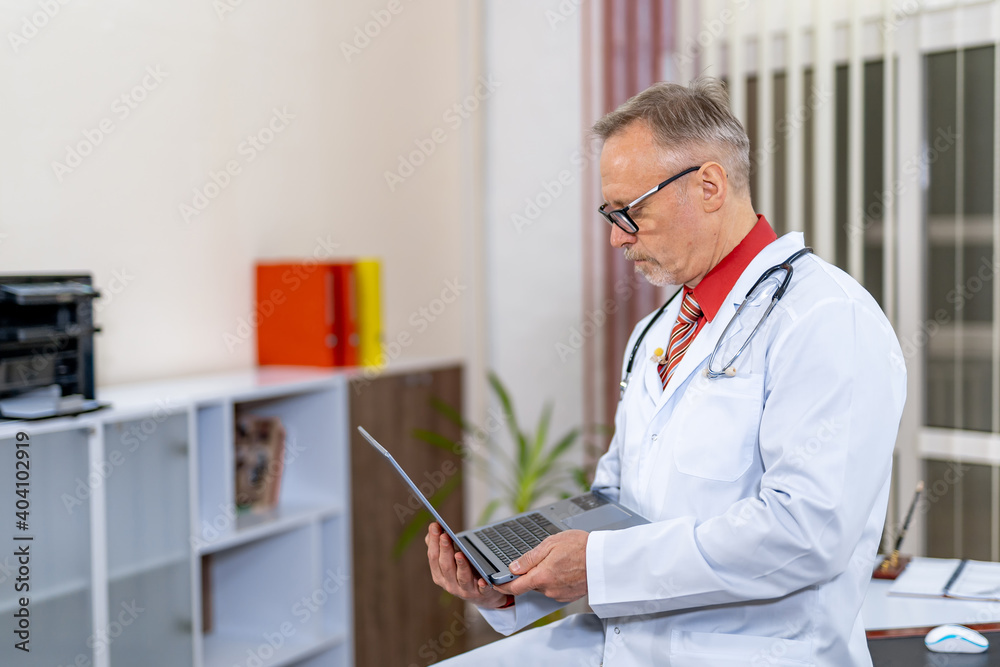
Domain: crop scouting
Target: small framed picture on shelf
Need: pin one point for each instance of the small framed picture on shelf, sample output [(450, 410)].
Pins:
[(260, 455)]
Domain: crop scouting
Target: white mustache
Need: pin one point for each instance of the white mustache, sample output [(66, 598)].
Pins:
[(632, 256)]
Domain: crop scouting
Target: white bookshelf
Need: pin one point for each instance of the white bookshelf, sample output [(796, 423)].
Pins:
[(127, 503)]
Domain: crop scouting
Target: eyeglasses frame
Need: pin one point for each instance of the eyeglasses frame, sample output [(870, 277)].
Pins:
[(627, 224)]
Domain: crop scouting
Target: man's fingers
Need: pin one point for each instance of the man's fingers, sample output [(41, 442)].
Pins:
[(446, 559), (522, 584), (463, 573), (530, 559), (432, 544)]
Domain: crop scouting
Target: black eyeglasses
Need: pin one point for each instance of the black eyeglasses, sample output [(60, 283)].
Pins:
[(620, 216)]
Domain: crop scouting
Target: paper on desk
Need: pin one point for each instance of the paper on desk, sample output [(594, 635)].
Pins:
[(925, 578), (978, 580)]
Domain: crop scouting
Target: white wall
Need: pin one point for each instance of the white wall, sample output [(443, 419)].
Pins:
[(183, 285), (534, 264)]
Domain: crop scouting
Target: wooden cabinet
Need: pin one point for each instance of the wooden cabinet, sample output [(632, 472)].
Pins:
[(401, 617)]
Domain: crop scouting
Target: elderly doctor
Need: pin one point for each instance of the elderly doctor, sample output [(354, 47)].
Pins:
[(758, 442)]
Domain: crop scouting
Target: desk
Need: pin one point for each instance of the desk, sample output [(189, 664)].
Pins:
[(892, 614), (896, 627), (911, 652)]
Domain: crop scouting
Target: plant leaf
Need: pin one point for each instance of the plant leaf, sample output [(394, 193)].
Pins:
[(453, 416), (543, 429), (410, 531), (488, 511), (580, 477), (510, 418), (436, 439), (558, 450), (417, 522)]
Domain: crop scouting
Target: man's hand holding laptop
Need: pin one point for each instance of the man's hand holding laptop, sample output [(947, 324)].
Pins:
[(556, 568)]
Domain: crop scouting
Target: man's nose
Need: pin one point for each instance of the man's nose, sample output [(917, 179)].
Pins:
[(620, 238)]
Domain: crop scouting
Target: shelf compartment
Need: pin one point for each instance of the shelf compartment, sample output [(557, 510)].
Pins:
[(61, 593), (335, 581), (60, 630), (232, 649), (257, 587), (216, 504), (151, 608), (145, 471), (338, 656), (252, 527), (315, 438)]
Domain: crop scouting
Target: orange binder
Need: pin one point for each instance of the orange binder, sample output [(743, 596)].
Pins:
[(307, 315)]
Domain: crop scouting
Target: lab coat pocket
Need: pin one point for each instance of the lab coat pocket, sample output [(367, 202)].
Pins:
[(715, 426), (697, 649)]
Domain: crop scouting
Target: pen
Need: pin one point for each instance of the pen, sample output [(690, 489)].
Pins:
[(954, 577), (893, 560)]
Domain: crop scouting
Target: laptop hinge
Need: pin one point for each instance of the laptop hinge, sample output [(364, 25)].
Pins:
[(481, 559)]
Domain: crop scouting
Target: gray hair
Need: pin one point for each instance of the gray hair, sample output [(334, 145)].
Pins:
[(692, 124)]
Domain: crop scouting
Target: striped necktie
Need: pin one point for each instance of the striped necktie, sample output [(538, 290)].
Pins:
[(681, 336)]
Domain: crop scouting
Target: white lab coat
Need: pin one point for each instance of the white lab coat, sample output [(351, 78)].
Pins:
[(766, 491)]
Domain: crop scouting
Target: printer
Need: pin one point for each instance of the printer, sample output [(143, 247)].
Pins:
[(46, 346)]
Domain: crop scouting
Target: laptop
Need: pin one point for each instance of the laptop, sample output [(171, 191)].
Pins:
[(493, 547)]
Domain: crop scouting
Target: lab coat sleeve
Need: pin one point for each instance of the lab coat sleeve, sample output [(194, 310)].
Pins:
[(528, 608), (833, 396)]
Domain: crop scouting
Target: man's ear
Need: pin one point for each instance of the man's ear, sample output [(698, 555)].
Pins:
[(714, 186)]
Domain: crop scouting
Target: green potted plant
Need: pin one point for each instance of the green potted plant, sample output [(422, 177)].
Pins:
[(536, 471)]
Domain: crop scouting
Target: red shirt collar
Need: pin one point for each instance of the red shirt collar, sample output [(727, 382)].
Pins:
[(713, 289)]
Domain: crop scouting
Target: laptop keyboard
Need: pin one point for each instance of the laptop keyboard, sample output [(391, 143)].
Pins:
[(511, 539)]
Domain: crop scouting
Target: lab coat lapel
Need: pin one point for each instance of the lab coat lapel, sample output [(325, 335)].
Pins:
[(704, 343), (658, 336), (700, 348)]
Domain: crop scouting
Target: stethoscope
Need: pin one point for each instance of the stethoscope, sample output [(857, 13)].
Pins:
[(729, 368)]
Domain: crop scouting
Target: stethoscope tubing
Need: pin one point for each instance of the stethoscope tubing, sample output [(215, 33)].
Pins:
[(780, 292)]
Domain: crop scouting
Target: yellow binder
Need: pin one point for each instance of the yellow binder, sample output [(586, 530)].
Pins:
[(367, 273)]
